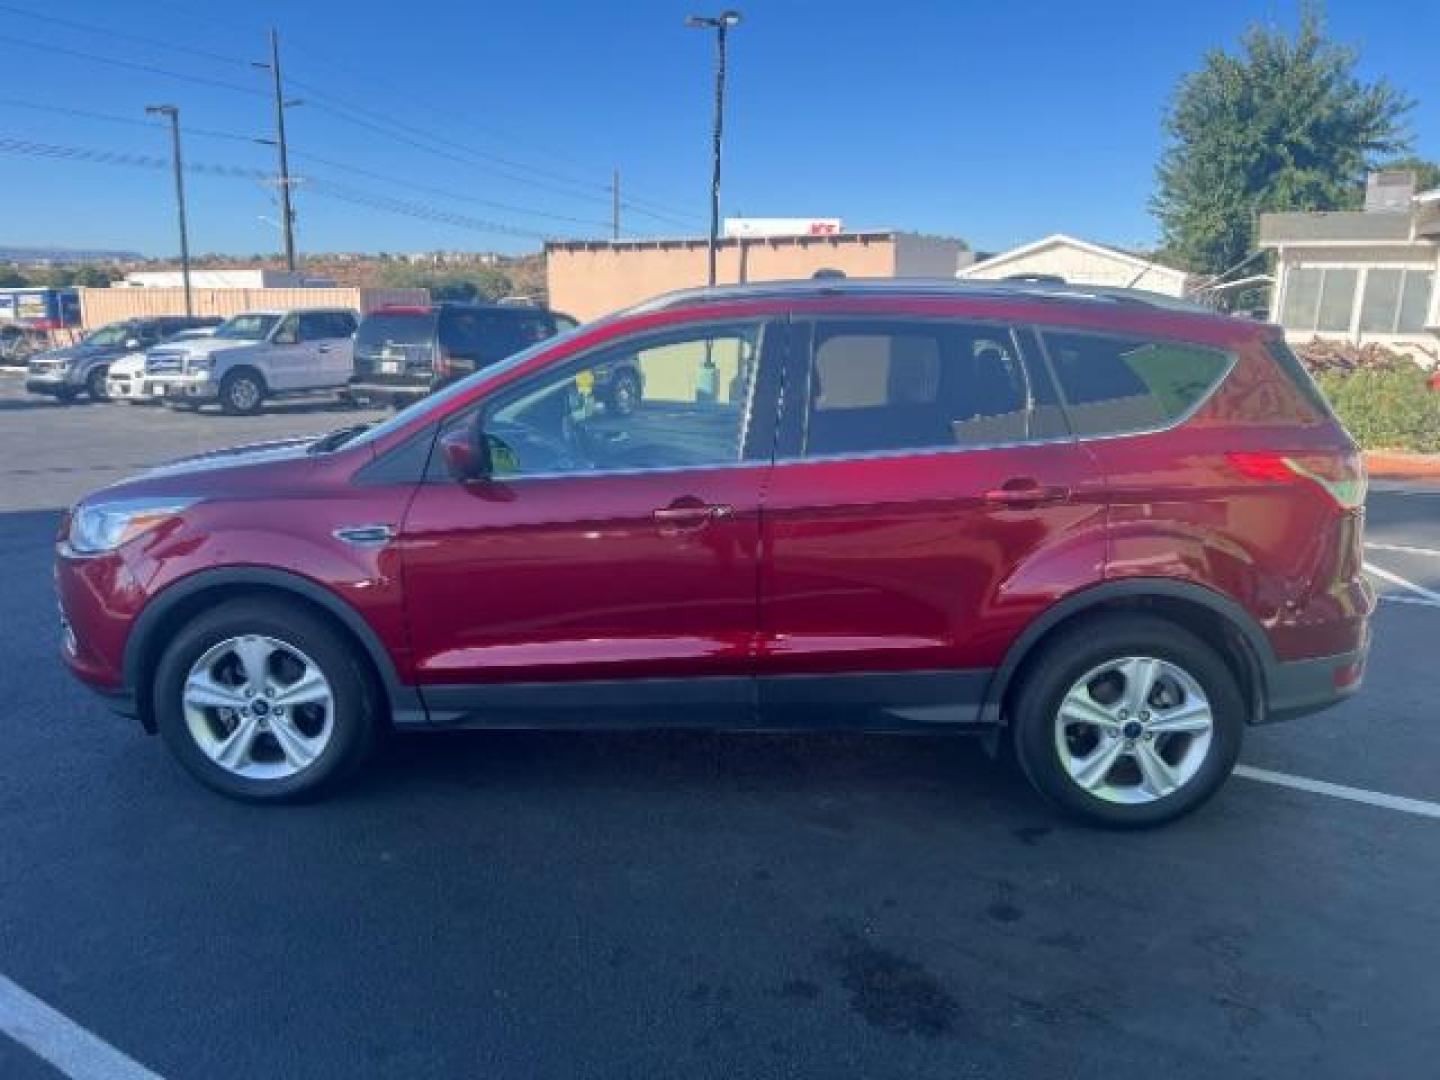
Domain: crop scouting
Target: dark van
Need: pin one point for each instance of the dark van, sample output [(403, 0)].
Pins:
[(403, 353)]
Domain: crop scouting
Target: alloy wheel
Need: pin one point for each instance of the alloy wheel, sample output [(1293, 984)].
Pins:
[(1134, 730), (259, 707)]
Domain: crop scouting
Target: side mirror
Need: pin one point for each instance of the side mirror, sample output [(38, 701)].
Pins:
[(466, 452)]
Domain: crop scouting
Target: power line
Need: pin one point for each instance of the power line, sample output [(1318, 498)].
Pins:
[(123, 35), (344, 166), (354, 114), (133, 121), (131, 65), (323, 188), (646, 205)]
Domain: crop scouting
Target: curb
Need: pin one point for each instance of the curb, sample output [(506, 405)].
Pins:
[(1388, 465)]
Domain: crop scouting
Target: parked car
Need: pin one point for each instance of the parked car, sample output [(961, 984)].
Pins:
[(255, 356), (67, 372), (126, 381), (1109, 531), (404, 353), (18, 343)]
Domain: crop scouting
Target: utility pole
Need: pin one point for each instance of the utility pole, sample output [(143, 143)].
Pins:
[(287, 211), (173, 112), (615, 205), (722, 25)]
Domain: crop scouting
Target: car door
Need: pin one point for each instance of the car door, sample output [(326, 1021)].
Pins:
[(614, 555), (335, 348), (923, 478), (283, 358)]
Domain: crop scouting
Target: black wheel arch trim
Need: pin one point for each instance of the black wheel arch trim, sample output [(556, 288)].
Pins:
[(404, 701), (1261, 655)]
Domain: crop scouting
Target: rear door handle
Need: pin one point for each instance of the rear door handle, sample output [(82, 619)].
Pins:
[(1022, 492)]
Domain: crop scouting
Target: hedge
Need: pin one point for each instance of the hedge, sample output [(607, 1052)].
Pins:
[(1386, 409)]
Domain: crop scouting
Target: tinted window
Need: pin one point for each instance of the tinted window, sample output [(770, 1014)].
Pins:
[(691, 411), (487, 335), (913, 385), (314, 325), (1116, 384), (395, 329)]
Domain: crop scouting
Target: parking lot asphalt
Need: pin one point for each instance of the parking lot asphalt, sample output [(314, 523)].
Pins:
[(598, 905)]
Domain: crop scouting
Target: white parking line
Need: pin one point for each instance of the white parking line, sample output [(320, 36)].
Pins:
[(1389, 599), (1428, 595), (1418, 807), (60, 1041), (1405, 549)]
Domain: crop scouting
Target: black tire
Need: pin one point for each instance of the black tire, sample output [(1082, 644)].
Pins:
[(624, 396), (66, 394), (1061, 662), (95, 384), (355, 719), (242, 392)]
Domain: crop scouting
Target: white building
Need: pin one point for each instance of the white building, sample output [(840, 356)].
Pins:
[(222, 279), (1079, 262), (1364, 275)]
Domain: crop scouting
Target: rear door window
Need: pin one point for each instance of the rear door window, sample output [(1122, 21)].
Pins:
[(1113, 385), (891, 386)]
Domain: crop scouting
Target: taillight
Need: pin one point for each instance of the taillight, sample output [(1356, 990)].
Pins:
[(1341, 476)]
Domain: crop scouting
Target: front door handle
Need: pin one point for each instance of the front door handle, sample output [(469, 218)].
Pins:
[(1023, 492), (688, 515)]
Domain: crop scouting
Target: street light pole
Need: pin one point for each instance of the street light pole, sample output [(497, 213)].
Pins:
[(721, 24), (173, 113)]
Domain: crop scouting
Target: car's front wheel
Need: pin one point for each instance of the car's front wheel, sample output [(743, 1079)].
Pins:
[(242, 392), (95, 387), (265, 701), (1128, 721)]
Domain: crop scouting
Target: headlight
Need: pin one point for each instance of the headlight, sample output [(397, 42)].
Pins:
[(104, 526)]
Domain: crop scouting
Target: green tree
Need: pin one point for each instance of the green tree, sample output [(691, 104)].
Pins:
[(11, 278), (1427, 173), (1283, 125), (469, 283)]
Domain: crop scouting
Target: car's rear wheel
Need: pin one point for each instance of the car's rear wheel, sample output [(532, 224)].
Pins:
[(1128, 721), (242, 392), (265, 701)]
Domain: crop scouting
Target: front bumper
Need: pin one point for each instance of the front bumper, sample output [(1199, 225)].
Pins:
[(193, 387), (54, 383)]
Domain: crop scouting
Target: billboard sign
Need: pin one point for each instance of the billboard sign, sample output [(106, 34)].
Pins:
[(748, 227)]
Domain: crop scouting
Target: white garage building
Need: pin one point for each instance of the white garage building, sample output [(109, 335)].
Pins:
[(1080, 262)]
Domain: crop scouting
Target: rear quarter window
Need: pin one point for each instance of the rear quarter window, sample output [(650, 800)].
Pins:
[(1114, 385)]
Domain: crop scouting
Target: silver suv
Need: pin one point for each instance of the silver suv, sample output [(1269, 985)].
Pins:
[(255, 356)]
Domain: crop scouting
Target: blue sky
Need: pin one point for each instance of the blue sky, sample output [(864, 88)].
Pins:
[(996, 122)]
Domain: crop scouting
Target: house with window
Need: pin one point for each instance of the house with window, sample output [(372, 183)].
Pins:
[(1361, 276)]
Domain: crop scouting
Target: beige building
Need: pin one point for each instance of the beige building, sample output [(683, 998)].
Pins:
[(590, 278), (1361, 275), (101, 306), (1080, 262)]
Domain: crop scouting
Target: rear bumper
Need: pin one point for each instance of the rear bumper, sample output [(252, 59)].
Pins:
[(383, 391), (1301, 687)]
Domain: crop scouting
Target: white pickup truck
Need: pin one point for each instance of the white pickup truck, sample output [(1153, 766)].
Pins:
[(254, 356)]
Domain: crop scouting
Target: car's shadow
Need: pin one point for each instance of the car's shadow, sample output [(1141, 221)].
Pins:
[(950, 770)]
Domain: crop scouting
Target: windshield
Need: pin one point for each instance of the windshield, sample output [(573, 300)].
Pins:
[(114, 334), (436, 403), (247, 327)]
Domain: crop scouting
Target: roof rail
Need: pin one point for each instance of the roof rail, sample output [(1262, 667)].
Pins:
[(938, 287)]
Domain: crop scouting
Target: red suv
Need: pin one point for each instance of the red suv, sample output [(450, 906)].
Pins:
[(1109, 528)]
